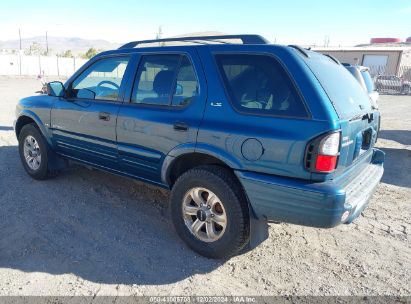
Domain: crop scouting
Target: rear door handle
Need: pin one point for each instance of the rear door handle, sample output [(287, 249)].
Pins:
[(104, 116), (180, 126)]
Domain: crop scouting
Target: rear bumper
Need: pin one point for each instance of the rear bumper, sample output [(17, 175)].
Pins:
[(313, 204)]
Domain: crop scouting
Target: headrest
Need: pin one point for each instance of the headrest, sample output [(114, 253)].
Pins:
[(163, 82)]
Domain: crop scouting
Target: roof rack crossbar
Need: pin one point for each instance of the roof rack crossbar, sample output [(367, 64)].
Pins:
[(246, 39)]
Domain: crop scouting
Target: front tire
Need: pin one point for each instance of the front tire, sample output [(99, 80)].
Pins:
[(406, 90), (34, 153), (210, 212)]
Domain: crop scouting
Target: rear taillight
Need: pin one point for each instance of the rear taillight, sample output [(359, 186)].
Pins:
[(326, 163), (322, 153)]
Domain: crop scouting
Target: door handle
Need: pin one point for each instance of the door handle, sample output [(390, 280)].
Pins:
[(180, 126), (104, 116)]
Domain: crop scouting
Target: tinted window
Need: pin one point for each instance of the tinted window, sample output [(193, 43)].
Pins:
[(258, 84), (357, 75), (187, 86), (165, 80), (102, 80), (368, 81), (346, 94)]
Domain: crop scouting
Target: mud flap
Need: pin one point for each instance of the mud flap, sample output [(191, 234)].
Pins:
[(258, 232), (55, 162), (378, 157)]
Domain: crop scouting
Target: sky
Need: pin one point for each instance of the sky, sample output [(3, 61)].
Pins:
[(345, 23)]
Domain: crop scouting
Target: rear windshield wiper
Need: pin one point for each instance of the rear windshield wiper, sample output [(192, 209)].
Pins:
[(356, 117), (368, 116)]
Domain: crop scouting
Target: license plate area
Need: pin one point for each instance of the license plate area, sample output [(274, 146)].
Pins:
[(363, 142), (366, 139)]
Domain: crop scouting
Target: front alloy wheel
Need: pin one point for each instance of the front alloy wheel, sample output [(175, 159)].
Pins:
[(32, 153)]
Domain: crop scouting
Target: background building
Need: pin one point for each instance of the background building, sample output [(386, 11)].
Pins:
[(384, 56), (386, 60)]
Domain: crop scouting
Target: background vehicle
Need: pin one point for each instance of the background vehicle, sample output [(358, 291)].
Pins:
[(362, 74), (242, 134), (392, 82)]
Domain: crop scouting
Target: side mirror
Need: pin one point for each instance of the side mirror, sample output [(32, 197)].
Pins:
[(179, 89), (55, 88)]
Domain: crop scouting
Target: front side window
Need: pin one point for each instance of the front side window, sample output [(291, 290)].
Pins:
[(102, 80), (166, 80), (257, 84)]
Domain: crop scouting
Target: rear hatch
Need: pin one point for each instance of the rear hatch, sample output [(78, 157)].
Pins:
[(358, 120)]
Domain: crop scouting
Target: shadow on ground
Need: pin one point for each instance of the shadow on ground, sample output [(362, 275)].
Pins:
[(401, 136), (397, 161), (397, 166), (103, 228), (6, 128)]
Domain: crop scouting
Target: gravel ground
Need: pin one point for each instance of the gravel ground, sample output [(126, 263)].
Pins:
[(91, 233)]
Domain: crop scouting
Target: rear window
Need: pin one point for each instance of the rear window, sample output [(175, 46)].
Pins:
[(257, 84), (368, 81), (344, 91)]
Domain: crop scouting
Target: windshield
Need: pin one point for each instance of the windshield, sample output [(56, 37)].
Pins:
[(368, 81), (344, 91)]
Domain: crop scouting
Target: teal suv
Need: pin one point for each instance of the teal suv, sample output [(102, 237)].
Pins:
[(241, 131)]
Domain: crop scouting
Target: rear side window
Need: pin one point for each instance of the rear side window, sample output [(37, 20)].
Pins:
[(258, 84), (186, 84), (165, 80)]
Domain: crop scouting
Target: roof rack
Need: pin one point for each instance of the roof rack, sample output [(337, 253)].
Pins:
[(246, 39), (332, 58), (300, 49)]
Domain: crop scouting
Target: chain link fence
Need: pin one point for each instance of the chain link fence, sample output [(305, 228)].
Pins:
[(389, 83)]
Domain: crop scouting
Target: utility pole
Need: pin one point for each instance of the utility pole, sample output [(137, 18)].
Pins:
[(20, 53), (20, 38), (159, 34), (47, 45), (326, 41)]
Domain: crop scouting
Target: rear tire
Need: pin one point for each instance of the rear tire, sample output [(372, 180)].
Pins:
[(219, 228), (34, 153), (406, 90)]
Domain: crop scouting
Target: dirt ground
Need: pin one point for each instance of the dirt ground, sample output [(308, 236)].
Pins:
[(87, 232)]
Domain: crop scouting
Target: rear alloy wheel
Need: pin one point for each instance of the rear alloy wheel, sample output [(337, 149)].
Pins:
[(210, 212), (406, 90), (204, 214)]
